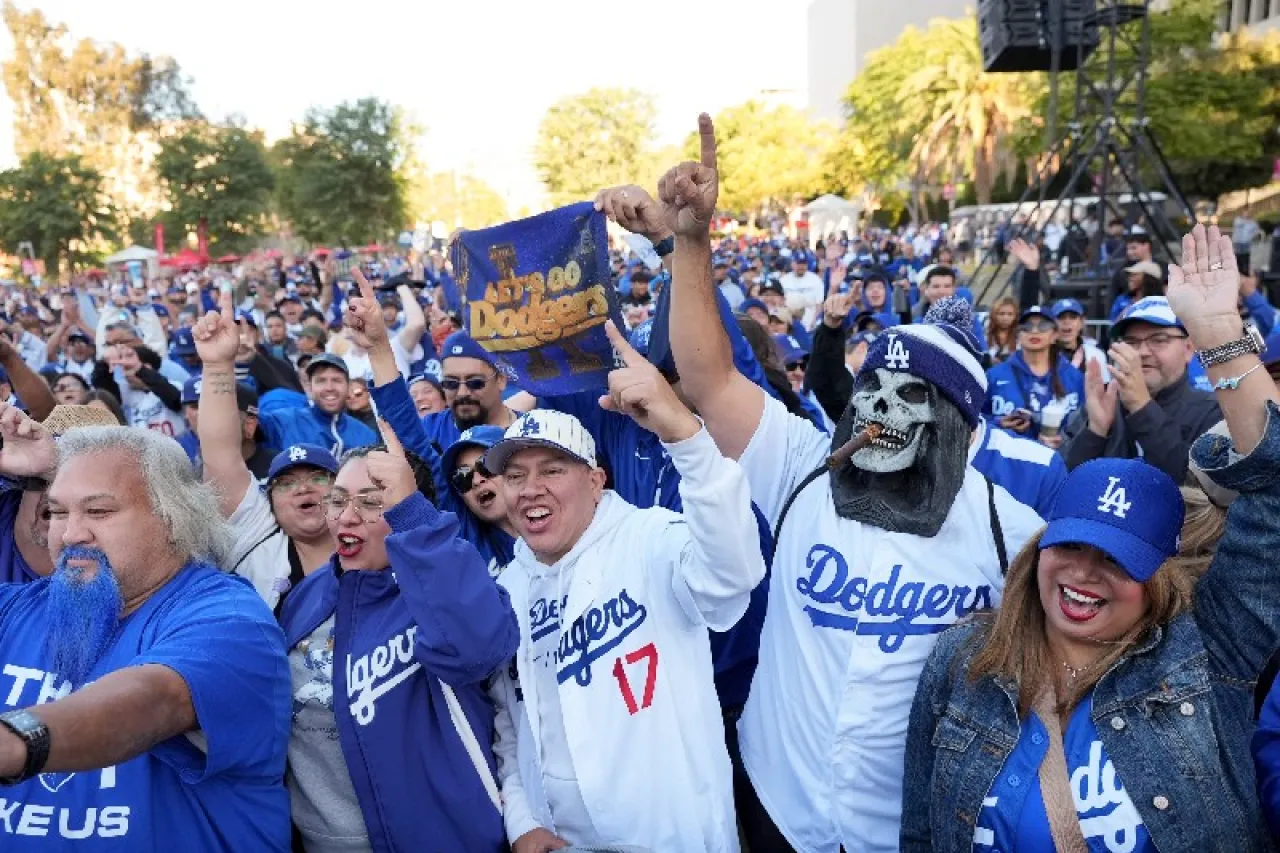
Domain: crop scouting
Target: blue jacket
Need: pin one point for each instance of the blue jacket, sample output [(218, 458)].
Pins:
[(281, 398), (1266, 757), (1261, 312), (1030, 472), (394, 404), (309, 425), (1174, 714), (1011, 385), (433, 616)]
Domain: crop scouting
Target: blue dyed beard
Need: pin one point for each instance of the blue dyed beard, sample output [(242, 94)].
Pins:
[(84, 614)]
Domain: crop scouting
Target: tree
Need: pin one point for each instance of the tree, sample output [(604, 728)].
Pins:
[(601, 138), (94, 100), (771, 157), (459, 200), (58, 205), (219, 175), (341, 173)]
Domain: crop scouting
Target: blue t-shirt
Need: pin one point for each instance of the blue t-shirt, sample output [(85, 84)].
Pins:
[(229, 795), (13, 567), (1013, 815)]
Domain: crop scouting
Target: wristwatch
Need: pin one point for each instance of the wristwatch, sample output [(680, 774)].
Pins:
[(35, 735), (1251, 343)]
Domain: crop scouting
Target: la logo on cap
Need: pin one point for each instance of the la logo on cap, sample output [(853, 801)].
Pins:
[(1114, 500), (297, 454), (456, 350), (530, 426), (897, 358)]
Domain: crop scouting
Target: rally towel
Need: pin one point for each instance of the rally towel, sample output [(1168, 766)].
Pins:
[(537, 293)]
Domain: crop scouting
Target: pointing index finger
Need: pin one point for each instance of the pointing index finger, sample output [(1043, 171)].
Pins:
[(707, 136), (390, 439), (366, 289), (622, 347)]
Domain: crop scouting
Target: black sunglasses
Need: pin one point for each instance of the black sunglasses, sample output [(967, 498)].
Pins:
[(475, 383), (797, 365), (463, 479)]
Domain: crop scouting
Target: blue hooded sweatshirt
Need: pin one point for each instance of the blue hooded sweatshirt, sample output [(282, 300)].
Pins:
[(434, 615), (309, 425), (1011, 385)]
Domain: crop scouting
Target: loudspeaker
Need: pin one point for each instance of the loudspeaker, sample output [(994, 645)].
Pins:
[(1016, 36)]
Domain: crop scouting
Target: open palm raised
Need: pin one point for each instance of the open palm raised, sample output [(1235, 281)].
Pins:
[(1204, 287)]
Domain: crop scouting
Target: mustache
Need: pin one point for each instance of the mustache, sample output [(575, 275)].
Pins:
[(84, 608)]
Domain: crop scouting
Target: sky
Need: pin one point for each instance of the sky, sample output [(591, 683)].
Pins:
[(477, 74)]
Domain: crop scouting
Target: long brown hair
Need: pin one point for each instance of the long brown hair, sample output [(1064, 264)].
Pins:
[(1013, 642), (1010, 334)]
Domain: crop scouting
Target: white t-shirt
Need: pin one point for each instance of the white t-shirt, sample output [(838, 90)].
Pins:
[(803, 291), (144, 409), (360, 367), (266, 566), (853, 613)]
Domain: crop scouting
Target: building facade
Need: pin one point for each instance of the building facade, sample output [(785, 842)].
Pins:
[(1254, 16)]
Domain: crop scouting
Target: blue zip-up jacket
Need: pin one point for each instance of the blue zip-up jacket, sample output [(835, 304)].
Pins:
[(281, 398), (433, 616), (1011, 385), (1175, 713), (1028, 470), (393, 403), (309, 425)]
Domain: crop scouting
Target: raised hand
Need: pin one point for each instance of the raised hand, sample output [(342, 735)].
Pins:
[(217, 335), (688, 192), (836, 309), (635, 210), (1099, 400), (638, 391), (1025, 253), (363, 317), (389, 469), (28, 449), (1203, 289)]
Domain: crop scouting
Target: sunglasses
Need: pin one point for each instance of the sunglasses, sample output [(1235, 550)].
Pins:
[(463, 480), (1038, 326), (475, 383), (288, 485), (796, 365)]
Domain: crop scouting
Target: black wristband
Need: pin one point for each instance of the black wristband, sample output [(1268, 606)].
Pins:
[(35, 735), (665, 246)]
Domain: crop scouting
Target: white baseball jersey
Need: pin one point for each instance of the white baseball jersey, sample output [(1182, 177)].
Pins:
[(632, 667), (853, 613)]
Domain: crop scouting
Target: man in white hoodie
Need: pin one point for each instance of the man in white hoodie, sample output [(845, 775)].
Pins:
[(609, 729)]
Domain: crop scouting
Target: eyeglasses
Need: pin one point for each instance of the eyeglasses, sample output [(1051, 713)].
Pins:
[(463, 479), (796, 365), (319, 479), (474, 383), (1037, 326), (1159, 340), (368, 505)]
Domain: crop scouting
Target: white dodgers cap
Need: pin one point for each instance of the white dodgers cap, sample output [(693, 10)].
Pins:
[(543, 428)]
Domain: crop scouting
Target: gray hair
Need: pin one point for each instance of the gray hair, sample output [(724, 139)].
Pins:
[(188, 507)]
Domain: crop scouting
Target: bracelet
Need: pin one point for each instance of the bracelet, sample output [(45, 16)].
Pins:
[(1231, 383)]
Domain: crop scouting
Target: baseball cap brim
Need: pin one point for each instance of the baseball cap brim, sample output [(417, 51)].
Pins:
[(497, 457), (1117, 328), (449, 461), (1139, 559)]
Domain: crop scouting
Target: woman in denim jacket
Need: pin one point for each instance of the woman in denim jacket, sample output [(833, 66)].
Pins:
[(1100, 647)]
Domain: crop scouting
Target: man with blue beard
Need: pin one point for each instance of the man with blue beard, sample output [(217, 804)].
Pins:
[(144, 694)]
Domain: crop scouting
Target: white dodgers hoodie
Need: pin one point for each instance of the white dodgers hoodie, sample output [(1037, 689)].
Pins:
[(608, 719)]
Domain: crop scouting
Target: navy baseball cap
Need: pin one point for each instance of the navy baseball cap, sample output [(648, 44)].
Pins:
[(483, 436), (311, 455), (327, 359), (1066, 306), (78, 335), (1126, 508), (1151, 309), (183, 343), (789, 348), (462, 345), (1037, 311), (748, 304)]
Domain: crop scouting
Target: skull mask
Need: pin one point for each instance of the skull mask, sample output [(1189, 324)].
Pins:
[(901, 404)]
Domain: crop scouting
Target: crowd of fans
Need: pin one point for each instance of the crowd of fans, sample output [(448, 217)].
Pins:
[(837, 561)]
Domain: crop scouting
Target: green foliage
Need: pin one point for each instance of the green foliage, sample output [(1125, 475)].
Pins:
[(598, 139), (58, 204), (340, 175), (770, 157), (460, 200), (219, 175)]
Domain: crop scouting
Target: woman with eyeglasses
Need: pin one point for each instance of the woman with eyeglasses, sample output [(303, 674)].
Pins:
[(391, 747), (1108, 704), (1036, 389)]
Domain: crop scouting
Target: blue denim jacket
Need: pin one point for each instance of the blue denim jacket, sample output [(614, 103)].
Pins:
[(1175, 714)]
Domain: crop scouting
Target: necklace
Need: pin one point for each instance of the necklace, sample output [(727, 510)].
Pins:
[(1074, 672)]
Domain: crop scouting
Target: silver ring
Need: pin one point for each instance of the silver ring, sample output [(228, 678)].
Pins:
[(622, 194), (1215, 266)]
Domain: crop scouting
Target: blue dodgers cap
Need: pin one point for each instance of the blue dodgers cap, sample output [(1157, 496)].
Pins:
[(183, 343), (1037, 311), (311, 455), (483, 436), (748, 304), (1126, 508), (640, 336), (790, 349), (462, 345), (1151, 309), (247, 317), (1066, 306), (191, 391)]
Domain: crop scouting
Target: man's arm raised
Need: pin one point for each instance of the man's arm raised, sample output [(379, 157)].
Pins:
[(730, 405)]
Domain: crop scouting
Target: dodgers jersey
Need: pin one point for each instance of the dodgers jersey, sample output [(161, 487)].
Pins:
[(854, 611)]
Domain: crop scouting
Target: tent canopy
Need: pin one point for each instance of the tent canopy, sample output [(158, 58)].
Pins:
[(133, 253)]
